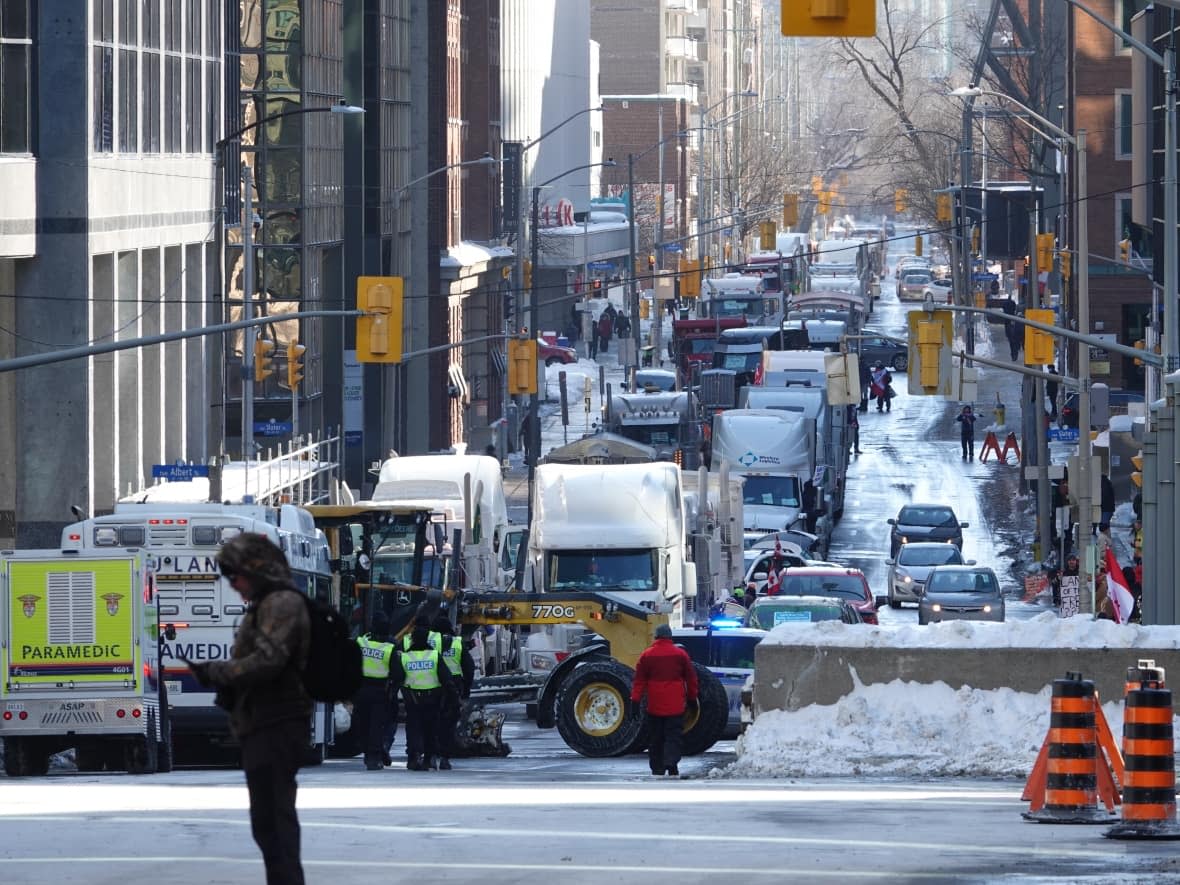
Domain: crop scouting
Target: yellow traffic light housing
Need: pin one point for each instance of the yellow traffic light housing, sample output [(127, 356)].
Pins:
[(295, 352), (790, 210), (931, 334), (379, 331), (767, 236), (944, 208), (899, 200), (918, 246), (1066, 264), (829, 18), (975, 238), (1038, 345), (690, 278), (263, 359), (1137, 473), (1125, 251), (527, 282), (522, 365), (1045, 244)]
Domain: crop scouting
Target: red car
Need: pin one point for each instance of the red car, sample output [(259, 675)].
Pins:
[(555, 353), (831, 581)]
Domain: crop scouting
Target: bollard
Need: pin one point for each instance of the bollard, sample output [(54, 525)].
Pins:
[(1149, 793), (1071, 764)]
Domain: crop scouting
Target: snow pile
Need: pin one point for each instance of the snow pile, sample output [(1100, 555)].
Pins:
[(909, 728)]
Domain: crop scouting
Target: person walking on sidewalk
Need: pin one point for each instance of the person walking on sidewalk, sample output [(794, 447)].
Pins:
[(881, 387), (854, 426), (665, 675), (966, 419)]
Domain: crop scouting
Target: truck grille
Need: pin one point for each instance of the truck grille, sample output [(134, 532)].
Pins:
[(167, 535)]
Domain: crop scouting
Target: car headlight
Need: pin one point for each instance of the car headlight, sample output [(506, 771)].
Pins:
[(936, 607), (906, 579), (904, 539), (987, 609)]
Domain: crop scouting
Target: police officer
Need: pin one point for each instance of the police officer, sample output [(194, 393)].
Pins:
[(426, 681), (424, 622), (371, 706), (462, 669)]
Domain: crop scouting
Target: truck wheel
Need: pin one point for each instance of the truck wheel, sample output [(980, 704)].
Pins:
[(140, 752), (704, 728), (90, 757), (23, 758), (901, 362), (593, 710)]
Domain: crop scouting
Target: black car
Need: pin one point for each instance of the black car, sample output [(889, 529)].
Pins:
[(874, 349), (925, 522), (1119, 400)]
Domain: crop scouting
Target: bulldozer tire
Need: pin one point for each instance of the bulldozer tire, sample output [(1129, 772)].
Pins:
[(704, 728), (24, 758), (595, 716)]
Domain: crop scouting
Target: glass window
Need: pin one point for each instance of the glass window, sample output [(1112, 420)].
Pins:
[(151, 24), (213, 29), (212, 104), (103, 21), (172, 25), (128, 22), (14, 19), (172, 109), (192, 29), (151, 102), (128, 101), (1124, 127), (103, 82), (194, 115), (15, 59)]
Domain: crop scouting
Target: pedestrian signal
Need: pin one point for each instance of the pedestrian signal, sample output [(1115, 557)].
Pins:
[(379, 331), (263, 359), (522, 365)]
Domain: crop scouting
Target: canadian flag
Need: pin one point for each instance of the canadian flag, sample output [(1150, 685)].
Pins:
[(778, 548), (758, 375), (772, 583), (1117, 590)]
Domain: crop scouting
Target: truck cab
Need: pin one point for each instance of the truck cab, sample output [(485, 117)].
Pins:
[(693, 343)]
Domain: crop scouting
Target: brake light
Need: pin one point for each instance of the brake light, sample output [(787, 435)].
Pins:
[(561, 656), (120, 713), (23, 715), (75, 537), (7, 715), (135, 714)]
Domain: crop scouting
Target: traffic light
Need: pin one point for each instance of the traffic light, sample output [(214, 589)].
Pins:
[(690, 278), (651, 261), (944, 209), (825, 202), (1125, 251), (1066, 264), (1045, 244), (975, 237), (1038, 345), (790, 210), (899, 200), (817, 185), (767, 235), (1137, 473), (644, 308), (263, 359), (295, 352), (379, 331), (829, 18), (930, 336), (918, 246), (522, 365), (527, 282)]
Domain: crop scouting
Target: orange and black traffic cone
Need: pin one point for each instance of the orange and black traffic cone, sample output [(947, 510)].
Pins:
[(1149, 794), (1070, 771)]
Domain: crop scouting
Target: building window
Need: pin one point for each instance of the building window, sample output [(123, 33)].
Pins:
[(128, 98), (1126, 10), (1123, 220), (103, 99), (16, 58), (1123, 126)]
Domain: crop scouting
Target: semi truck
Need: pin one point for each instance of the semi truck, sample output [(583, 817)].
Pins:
[(663, 420), (81, 660)]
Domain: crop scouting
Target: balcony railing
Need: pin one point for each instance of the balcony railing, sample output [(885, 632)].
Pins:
[(681, 47)]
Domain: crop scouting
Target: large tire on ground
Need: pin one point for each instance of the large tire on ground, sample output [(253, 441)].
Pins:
[(24, 758), (164, 743), (595, 716), (141, 753), (704, 728)]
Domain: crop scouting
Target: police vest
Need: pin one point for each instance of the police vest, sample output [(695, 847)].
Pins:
[(450, 654), (375, 657), (421, 666), (431, 639)]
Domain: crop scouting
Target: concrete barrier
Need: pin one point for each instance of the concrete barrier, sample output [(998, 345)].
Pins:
[(789, 677)]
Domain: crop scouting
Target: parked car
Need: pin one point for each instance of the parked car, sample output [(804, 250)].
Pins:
[(1067, 415), (939, 289), (808, 544), (729, 654), (770, 611), (925, 522), (889, 353), (555, 353), (832, 581), (963, 593), (912, 284), (909, 570)]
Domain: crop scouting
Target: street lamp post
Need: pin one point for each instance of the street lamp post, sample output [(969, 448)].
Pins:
[(249, 335), (533, 451), (1085, 463)]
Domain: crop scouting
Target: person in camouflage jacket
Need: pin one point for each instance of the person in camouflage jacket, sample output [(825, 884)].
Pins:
[(261, 687)]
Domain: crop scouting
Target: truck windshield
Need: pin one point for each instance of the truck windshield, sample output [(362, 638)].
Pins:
[(752, 307), (399, 569), (602, 570), (772, 491)]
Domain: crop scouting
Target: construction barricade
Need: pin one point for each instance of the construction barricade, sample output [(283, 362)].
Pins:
[(1078, 763), (1149, 790)]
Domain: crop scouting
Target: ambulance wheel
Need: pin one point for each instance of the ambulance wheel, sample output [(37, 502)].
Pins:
[(595, 716), (24, 758), (704, 726)]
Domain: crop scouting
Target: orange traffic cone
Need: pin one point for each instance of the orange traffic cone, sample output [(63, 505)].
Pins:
[(1071, 773), (1149, 796)]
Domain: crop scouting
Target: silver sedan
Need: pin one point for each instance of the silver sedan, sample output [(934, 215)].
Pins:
[(907, 573), (963, 593)]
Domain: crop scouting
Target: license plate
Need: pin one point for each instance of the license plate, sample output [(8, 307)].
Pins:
[(173, 686)]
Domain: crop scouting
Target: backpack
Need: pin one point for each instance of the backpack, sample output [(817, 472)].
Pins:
[(333, 669)]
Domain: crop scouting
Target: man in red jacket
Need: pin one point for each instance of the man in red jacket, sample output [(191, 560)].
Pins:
[(665, 674)]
